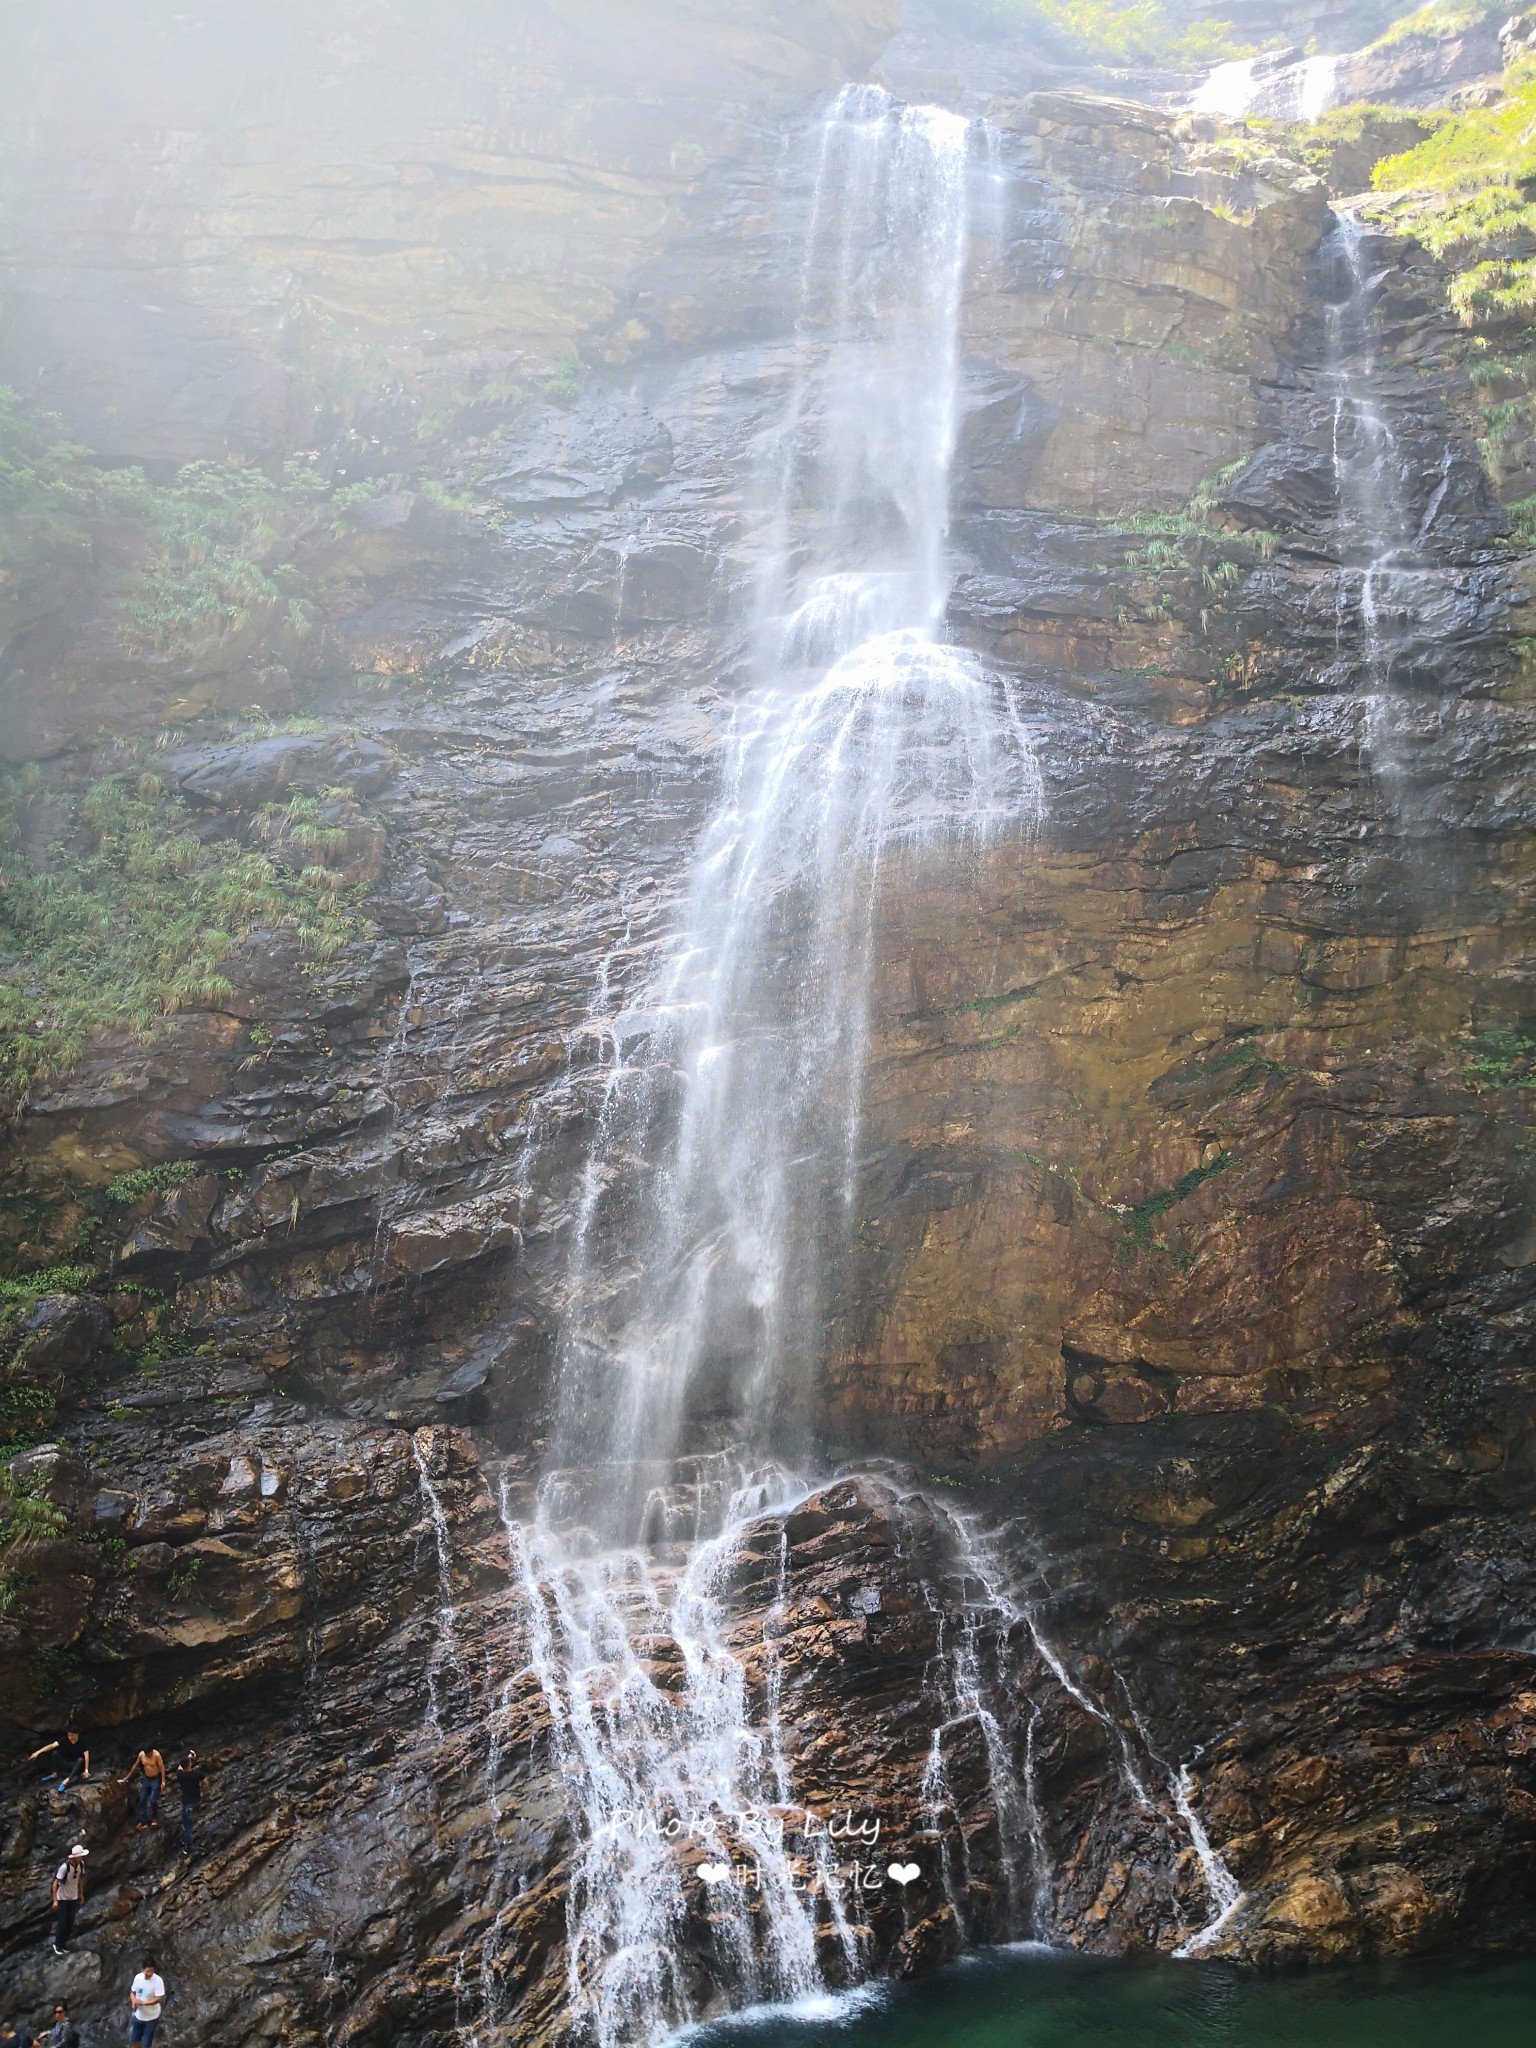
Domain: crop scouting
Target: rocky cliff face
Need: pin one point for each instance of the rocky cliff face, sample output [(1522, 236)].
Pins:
[(1196, 1221)]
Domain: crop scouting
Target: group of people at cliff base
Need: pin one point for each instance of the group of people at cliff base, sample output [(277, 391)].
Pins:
[(74, 1763), (69, 1762), (145, 2003)]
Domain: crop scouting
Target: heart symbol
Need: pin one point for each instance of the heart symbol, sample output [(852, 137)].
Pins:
[(713, 1872), (902, 1873)]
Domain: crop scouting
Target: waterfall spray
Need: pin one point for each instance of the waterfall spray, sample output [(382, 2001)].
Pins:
[(724, 1173)]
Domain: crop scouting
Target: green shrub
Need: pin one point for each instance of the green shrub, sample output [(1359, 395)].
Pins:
[(29, 1287), (151, 1180), (212, 542), (1500, 1060), (1140, 1217), (1100, 31), (1467, 198), (28, 1520), (1495, 294), (1441, 18), (132, 918), (184, 1577), (1343, 147), (46, 483), (1483, 146), (566, 382)]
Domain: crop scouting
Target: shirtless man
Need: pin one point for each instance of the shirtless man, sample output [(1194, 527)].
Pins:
[(152, 1764)]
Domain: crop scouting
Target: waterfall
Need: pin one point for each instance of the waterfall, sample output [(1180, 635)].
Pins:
[(723, 1181), (445, 1648), (1277, 87), (1388, 578), (866, 744)]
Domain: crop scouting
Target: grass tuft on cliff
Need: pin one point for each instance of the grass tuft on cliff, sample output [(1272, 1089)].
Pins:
[(114, 912), (1344, 146), (215, 540), (1439, 20), (1101, 32), (209, 547), (1468, 197)]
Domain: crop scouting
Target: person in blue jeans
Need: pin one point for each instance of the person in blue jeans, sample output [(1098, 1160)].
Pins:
[(74, 1758), (145, 2001), (152, 1764), (189, 1783)]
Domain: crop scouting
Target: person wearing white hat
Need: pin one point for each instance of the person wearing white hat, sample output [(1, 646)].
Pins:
[(68, 1896)]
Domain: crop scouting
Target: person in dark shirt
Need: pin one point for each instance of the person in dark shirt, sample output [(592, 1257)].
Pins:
[(189, 1783), (74, 1759), (63, 2033)]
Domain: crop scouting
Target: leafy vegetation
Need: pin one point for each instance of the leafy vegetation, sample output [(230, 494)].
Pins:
[(1100, 31), (30, 1287), (566, 382), (1440, 18), (1343, 147), (212, 542), (1467, 197), (184, 1577), (1139, 1218), (128, 916), (55, 1672), (151, 1180), (1481, 146), (214, 537), (1500, 1060), (28, 1520)]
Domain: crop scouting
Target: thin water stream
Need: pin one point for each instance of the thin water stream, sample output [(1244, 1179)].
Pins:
[(1392, 582), (737, 1077)]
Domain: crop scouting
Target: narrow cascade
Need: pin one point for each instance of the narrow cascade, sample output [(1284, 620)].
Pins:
[(1286, 89), (445, 1648), (723, 1179), (1389, 579)]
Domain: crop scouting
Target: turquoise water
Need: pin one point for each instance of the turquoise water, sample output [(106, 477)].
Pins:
[(1023, 1998)]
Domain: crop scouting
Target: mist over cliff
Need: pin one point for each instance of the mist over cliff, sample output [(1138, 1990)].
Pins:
[(765, 996)]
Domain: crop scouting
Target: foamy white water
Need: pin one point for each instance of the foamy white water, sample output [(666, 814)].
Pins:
[(724, 1175)]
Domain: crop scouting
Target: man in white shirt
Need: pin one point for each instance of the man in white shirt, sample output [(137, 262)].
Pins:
[(145, 2000)]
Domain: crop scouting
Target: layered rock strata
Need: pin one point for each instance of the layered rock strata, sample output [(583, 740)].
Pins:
[(1196, 1235)]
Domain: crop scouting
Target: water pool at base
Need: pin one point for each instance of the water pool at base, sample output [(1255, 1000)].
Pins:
[(1029, 1998)]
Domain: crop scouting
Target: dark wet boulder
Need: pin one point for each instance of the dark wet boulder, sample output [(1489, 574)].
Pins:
[(249, 773), (62, 1335)]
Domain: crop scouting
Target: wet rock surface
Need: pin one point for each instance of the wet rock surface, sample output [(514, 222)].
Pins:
[(1196, 1175)]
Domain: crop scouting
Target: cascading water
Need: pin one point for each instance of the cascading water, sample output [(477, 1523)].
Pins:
[(867, 743), (1390, 581), (1276, 88), (724, 1176)]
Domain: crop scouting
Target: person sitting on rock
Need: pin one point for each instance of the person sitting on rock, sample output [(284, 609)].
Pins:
[(151, 1785), (68, 1896), (74, 1758), (63, 2033)]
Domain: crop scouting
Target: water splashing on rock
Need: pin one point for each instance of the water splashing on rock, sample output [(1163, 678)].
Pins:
[(723, 1182)]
